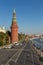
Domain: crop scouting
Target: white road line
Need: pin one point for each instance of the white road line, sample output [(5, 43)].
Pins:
[(24, 58), (32, 58), (19, 52), (32, 55), (11, 58)]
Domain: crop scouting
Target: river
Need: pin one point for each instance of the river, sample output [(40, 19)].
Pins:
[(38, 43)]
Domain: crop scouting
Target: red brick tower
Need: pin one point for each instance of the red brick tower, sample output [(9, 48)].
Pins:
[(14, 29)]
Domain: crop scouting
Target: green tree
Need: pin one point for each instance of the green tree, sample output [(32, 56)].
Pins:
[(2, 37), (8, 35)]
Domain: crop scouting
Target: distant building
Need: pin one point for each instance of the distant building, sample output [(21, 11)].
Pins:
[(2, 29), (14, 29)]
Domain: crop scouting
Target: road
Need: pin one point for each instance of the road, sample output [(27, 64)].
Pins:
[(20, 55), (7, 54), (28, 56)]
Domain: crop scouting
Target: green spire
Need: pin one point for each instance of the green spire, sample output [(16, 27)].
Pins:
[(14, 16)]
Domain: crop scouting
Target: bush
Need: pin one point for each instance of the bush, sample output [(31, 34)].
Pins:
[(1, 43)]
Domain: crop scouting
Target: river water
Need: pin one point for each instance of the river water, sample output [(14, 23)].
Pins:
[(38, 43)]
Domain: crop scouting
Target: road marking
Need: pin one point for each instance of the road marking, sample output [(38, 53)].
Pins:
[(32, 58), (25, 59), (19, 52), (11, 58), (32, 55)]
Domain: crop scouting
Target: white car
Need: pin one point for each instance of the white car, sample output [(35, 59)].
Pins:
[(17, 44), (20, 44), (9, 46)]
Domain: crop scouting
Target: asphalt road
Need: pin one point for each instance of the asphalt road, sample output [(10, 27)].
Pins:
[(19, 55), (7, 54), (28, 56)]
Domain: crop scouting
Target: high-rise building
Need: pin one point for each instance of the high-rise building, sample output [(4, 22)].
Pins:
[(14, 29)]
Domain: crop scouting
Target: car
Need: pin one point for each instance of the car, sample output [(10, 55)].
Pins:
[(5, 47), (20, 44), (41, 58), (16, 44), (9, 46)]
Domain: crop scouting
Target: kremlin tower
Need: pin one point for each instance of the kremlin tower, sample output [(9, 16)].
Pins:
[(14, 29)]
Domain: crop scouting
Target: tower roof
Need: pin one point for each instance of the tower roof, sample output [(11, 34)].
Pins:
[(14, 10), (14, 16)]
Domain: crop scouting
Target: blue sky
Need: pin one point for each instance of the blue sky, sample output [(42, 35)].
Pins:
[(29, 15)]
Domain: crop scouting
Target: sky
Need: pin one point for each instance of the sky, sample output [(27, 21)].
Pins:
[(29, 15)]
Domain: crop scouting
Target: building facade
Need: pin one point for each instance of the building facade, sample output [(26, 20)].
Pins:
[(14, 29), (2, 29)]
